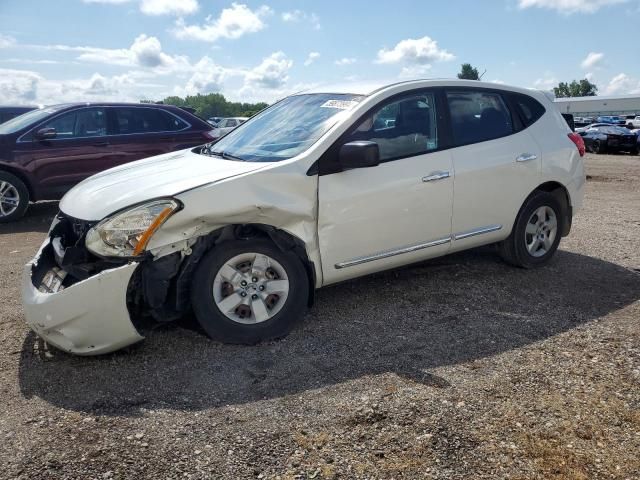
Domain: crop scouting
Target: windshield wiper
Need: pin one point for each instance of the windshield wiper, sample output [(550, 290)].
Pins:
[(225, 155)]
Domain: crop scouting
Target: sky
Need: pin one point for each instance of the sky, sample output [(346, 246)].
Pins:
[(130, 50)]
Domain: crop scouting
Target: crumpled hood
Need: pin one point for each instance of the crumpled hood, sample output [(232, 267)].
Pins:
[(160, 176)]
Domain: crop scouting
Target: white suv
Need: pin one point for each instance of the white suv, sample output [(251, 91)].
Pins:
[(321, 187)]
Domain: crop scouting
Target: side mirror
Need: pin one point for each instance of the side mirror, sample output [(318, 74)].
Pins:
[(46, 133), (359, 154)]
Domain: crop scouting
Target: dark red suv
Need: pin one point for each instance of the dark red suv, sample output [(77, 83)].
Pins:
[(45, 152)]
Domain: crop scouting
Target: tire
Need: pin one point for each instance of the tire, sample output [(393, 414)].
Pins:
[(14, 198), (515, 249), (212, 284), (635, 151), (600, 148)]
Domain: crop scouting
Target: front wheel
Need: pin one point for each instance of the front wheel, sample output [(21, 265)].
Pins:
[(249, 291), (14, 198), (536, 233)]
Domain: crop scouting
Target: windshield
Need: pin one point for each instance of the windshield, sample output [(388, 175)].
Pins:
[(26, 119), (284, 130)]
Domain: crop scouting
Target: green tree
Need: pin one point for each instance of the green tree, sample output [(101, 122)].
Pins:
[(582, 88), (468, 72), (215, 105)]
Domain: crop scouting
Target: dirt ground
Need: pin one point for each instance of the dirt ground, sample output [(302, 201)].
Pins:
[(458, 368)]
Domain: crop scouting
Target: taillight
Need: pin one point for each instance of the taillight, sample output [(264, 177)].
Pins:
[(579, 141), (210, 135)]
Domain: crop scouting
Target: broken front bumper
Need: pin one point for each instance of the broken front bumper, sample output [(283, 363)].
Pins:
[(89, 317)]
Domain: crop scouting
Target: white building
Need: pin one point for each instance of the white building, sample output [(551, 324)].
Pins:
[(594, 106)]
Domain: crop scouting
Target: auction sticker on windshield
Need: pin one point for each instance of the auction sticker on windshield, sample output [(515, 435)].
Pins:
[(340, 104)]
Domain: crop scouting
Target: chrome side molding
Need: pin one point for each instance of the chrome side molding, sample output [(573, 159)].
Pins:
[(391, 253), (420, 246), (477, 231)]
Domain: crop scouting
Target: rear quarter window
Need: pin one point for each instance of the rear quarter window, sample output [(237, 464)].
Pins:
[(529, 109)]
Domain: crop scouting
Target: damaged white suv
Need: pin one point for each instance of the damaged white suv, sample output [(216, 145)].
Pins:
[(321, 187)]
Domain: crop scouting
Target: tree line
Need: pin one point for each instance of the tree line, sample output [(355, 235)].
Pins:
[(215, 105), (577, 88)]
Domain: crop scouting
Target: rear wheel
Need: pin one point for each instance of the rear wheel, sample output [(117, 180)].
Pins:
[(14, 198), (536, 234), (249, 291)]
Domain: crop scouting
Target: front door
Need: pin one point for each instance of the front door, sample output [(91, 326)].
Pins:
[(398, 212)]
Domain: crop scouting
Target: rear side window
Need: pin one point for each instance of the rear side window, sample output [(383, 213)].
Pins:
[(401, 128), (478, 116), (145, 120), (530, 110), (172, 122)]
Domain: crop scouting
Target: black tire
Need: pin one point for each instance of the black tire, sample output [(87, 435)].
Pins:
[(600, 148), (23, 200), (635, 151), (217, 325), (514, 250)]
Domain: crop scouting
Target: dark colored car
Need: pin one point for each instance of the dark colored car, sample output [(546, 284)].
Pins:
[(610, 139), (568, 117), (9, 112), (45, 152), (612, 119)]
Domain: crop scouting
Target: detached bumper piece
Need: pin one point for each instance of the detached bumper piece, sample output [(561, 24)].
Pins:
[(77, 303)]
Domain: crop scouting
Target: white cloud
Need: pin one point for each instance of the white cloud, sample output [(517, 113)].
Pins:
[(592, 59), (18, 86), (272, 73), (417, 51), (312, 57), (622, 84), (144, 52), (414, 71), (569, 6), (168, 7), (295, 16), (546, 83), (158, 7), (345, 61), (6, 41), (233, 22), (207, 78), (31, 88)]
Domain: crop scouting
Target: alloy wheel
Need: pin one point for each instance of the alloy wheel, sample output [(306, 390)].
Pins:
[(250, 288), (9, 199), (541, 231)]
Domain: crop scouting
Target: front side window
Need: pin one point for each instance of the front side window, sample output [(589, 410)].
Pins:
[(285, 129), (401, 128), (82, 123), (478, 116), (30, 118)]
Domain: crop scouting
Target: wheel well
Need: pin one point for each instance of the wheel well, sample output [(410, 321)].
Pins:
[(21, 176), (282, 239)]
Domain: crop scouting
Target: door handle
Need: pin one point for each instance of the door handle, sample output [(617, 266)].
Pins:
[(432, 177), (526, 157)]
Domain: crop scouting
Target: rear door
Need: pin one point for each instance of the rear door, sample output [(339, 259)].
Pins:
[(496, 166), (140, 132), (80, 149)]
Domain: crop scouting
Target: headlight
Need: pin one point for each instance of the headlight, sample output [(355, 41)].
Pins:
[(127, 233)]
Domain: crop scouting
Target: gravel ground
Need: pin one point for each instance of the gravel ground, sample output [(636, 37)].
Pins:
[(457, 368)]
